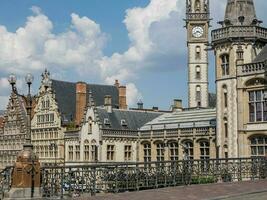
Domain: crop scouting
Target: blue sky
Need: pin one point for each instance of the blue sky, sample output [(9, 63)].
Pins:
[(140, 42)]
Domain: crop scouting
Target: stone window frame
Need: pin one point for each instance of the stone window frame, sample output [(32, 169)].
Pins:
[(225, 64), (147, 151), (173, 147), (189, 150), (128, 152), (258, 145), (160, 151), (257, 106), (111, 152), (86, 150)]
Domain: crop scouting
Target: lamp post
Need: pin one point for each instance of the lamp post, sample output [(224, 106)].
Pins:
[(26, 173)]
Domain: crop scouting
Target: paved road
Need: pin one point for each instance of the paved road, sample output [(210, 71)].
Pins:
[(256, 190)]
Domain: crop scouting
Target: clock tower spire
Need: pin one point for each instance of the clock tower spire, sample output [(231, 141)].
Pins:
[(197, 25)]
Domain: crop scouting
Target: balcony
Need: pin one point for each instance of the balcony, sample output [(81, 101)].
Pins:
[(252, 68), (231, 32)]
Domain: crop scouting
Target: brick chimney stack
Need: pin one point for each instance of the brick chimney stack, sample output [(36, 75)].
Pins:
[(81, 99), (122, 95)]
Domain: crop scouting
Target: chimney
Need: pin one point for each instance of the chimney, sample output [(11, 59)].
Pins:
[(177, 105), (81, 99), (117, 84), (122, 98), (154, 108), (140, 105), (108, 103)]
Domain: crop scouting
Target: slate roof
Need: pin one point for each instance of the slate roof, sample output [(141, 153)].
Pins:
[(183, 119), (262, 55), (134, 119), (66, 97)]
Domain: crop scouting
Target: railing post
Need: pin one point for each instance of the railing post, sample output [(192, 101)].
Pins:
[(93, 191), (137, 176), (62, 182)]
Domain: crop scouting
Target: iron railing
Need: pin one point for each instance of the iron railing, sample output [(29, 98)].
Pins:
[(5, 181), (91, 179)]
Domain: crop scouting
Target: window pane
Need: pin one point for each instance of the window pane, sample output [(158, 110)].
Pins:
[(261, 150), (259, 111), (258, 95), (251, 96), (253, 151)]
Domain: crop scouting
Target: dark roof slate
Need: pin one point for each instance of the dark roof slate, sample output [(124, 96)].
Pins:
[(66, 97), (134, 119), (262, 55)]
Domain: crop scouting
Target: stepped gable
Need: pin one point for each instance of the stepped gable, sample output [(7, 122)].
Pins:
[(134, 119), (66, 97), (237, 8)]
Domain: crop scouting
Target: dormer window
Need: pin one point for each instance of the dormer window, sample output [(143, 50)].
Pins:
[(106, 121), (123, 122)]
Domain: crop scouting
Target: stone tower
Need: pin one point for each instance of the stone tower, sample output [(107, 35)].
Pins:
[(238, 41), (197, 24)]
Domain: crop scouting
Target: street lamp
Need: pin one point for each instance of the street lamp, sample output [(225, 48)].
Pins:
[(26, 180)]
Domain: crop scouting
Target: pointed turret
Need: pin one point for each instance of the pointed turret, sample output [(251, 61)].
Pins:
[(240, 12)]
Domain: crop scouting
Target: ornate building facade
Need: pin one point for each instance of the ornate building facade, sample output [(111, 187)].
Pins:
[(13, 130), (240, 83), (197, 24), (59, 110), (106, 134), (182, 134)]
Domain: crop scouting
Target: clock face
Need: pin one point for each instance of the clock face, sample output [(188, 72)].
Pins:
[(197, 31)]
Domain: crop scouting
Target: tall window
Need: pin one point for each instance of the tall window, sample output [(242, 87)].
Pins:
[(198, 72), (198, 95), (204, 150), (127, 152), (110, 152), (257, 106), (173, 149), (160, 152), (259, 145), (225, 127), (147, 152), (225, 64), (77, 152), (225, 96), (86, 150), (198, 52), (188, 150), (89, 125), (70, 152), (94, 152)]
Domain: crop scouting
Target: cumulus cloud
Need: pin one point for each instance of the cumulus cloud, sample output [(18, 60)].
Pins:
[(156, 33)]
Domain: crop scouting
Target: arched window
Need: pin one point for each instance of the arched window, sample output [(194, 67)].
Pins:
[(160, 151), (258, 145), (225, 96), (188, 150), (86, 150), (225, 127), (204, 150), (173, 150), (147, 152), (198, 72), (198, 95), (225, 64), (90, 125), (198, 52)]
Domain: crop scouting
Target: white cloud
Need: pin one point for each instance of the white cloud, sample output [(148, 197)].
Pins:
[(156, 33)]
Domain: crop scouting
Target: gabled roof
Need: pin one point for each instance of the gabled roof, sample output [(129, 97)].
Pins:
[(183, 119), (134, 119), (262, 55), (66, 96)]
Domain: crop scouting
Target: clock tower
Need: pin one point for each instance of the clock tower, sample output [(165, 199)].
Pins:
[(197, 25)]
